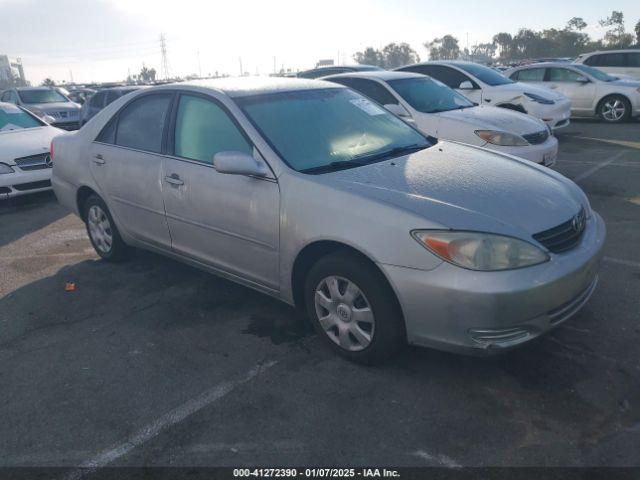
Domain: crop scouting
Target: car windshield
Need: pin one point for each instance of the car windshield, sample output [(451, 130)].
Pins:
[(13, 118), (41, 96), (595, 73), (316, 131), (485, 74), (429, 96)]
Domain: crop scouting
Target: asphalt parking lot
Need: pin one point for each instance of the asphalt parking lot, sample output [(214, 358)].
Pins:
[(154, 363)]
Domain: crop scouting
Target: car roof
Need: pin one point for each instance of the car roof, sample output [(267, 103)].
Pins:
[(356, 67), (375, 74), (545, 65), (25, 89), (620, 50), (247, 86)]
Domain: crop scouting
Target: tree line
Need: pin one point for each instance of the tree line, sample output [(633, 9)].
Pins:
[(569, 41)]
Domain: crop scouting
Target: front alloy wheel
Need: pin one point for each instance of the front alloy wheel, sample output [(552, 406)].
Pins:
[(615, 109), (344, 313), (353, 308)]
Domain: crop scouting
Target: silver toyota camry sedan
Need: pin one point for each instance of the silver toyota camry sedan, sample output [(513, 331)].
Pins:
[(311, 193)]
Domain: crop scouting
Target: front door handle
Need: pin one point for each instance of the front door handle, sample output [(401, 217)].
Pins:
[(98, 160), (173, 179)]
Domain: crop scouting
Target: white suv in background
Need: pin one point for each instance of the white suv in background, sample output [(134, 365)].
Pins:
[(623, 63), (485, 86)]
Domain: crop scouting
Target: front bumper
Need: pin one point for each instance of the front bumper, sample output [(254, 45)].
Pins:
[(460, 310), (556, 115), (544, 153), (23, 183)]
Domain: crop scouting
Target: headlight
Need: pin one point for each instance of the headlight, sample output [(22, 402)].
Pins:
[(4, 168), (480, 251), (539, 99), (505, 139)]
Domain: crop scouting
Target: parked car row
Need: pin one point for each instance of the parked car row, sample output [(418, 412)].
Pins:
[(319, 196), (25, 163), (592, 92)]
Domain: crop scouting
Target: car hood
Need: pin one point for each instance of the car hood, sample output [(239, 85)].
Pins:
[(24, 142), (519, 88), (55, 107), (493, 118), (468, 188)]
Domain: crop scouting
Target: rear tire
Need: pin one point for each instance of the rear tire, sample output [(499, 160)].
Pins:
[(102, 230), (353, 309), (614, 109)]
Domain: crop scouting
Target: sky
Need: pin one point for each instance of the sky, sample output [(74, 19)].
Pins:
[(105, 40)]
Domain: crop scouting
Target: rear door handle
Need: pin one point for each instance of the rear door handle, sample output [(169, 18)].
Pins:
[(98, 160), (173, 180)]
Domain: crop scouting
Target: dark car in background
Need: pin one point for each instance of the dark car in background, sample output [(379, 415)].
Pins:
[(46, 101), (335, 69), (101, 99)]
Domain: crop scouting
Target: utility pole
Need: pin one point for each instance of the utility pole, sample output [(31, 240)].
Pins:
[(164, 72), (468, 51), (71, 75), (241, 71), (199, 67), (274, 64)]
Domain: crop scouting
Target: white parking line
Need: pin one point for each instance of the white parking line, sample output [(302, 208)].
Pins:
[(167, 420), (437, 459), (594, 169), (620, 261)]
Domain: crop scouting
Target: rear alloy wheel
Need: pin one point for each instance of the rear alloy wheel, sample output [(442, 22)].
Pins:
[(614, 109), (353, 308), (102, 230)]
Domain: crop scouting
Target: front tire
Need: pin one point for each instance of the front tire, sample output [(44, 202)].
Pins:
[(614, 109), (353, 309), (102, 230)]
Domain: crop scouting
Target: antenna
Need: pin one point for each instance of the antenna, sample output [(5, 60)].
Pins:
[(164, 69)]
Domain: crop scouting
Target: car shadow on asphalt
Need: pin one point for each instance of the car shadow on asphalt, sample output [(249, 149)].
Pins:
[(28, 214)]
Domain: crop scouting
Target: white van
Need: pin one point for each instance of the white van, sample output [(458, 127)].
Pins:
[(622, 63)]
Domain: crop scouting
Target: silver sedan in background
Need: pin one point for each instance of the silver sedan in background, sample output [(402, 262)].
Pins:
[(592, 92), (312, 193)]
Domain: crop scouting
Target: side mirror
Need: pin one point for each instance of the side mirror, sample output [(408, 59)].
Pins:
[(48, 119), (397, 110), (466, 85), (582, 79), (238, 163)]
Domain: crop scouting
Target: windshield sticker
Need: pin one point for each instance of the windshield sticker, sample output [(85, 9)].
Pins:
[(368, 106), (9, 108)]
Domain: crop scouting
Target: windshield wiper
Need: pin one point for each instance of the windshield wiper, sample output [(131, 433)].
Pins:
[(333, 166), (365, 159), (393, 152)]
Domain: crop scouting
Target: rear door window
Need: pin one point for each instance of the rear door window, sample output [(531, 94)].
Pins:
[(141, 123), (373, 90), (451, 77), (563, 75), (529, 75)]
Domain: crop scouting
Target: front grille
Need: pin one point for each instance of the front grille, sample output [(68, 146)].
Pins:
[(537, 138), (33, 185), (34, 162), (5, 190), (565, 236)]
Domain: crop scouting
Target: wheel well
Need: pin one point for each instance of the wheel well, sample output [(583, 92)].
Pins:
[(81, 197), (599, 104), (313, 252), (511, 106)]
